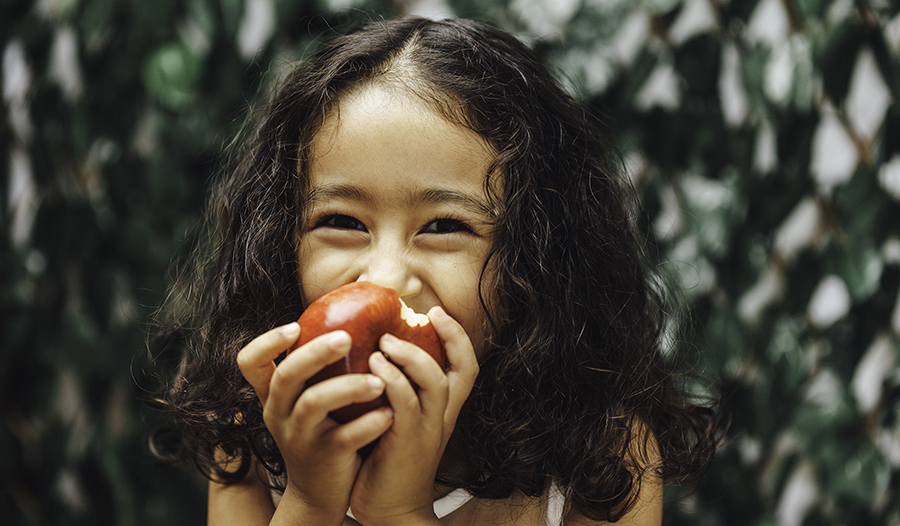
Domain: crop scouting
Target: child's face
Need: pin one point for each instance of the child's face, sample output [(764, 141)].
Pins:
[(399, 200)]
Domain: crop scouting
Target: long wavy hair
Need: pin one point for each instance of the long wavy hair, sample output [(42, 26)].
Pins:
[(573, 389)]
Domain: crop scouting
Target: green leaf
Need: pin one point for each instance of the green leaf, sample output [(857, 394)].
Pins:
[(711, 206), (860, 267), (171, 74), (659, 7), (203, 15), (812, 8), (861, 474), (724, 342), (786, 354), (838, 58), (232, 11), (863, 209), (825, 412), (94, 20)]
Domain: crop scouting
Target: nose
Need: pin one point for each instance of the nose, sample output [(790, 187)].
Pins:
[(392, 267)]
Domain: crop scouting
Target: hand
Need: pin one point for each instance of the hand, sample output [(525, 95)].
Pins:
[(320, 455), (395, 484)]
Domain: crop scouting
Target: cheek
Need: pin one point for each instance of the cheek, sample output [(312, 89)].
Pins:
[(486, 312), (480, 336), (476, 318), (303, 260), (313, 276)]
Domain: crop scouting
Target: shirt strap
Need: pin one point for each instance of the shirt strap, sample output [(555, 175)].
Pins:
[(445, 505)]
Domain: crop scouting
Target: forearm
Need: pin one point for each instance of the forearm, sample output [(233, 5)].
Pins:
[(433, 521), (293, 511), (247, 503), (421, 517)]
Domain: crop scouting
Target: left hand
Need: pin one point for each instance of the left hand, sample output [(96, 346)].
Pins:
[(395, 484)]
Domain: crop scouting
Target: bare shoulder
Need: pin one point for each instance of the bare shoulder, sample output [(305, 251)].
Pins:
[(246, 503), (643, 452), (647, 510)]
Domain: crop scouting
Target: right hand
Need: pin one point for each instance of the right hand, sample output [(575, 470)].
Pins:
[(319, 454)]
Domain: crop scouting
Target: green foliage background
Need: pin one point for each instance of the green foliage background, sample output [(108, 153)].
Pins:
[(763, 135)]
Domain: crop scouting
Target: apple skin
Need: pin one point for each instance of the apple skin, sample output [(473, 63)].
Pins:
[(366, 311)]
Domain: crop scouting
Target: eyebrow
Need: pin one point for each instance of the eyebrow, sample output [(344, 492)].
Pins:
[(344, 192), (431, 195)]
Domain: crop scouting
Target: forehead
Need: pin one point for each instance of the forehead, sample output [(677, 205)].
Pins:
[(389, 133), (377, 105)]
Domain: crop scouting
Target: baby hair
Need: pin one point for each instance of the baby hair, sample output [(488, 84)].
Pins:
[(573, 389)]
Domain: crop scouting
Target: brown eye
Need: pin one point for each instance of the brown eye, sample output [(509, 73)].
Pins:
[(341, 222), (446, 226)]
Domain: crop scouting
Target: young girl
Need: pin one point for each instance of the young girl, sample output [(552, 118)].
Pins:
[(440, 159)]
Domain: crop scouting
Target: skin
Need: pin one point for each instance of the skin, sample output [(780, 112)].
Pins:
[(398, 199)]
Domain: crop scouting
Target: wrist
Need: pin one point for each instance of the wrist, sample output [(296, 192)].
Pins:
[(418, 518), (295, 509)]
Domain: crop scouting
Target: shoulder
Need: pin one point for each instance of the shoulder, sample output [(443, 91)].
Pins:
[(647, 510), (246, 502), (641, 452)]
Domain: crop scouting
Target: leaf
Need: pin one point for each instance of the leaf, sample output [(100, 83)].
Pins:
[(786, 354), (171, 74), (861, 474), (838, 57), (859, 266), (712, 207)]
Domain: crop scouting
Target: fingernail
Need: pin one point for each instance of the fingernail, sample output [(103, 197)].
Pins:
[(375, 382), (439, 313), (388, 412), (339, 341), (290, 330)]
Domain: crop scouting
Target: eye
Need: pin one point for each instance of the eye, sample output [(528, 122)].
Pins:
[(446, 225), (341, 222)]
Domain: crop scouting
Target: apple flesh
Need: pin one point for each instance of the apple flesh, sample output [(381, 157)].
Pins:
[(366, 311)]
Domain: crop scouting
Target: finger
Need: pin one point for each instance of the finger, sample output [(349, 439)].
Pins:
[(362, 430), (399, 391), (460, 356), (322, 398), (257, 360), (292, 373), (422, 370)]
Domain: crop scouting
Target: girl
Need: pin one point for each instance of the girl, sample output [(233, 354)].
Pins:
[(438, 158)]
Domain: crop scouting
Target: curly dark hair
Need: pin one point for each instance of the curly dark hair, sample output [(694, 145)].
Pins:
[(573, 388)]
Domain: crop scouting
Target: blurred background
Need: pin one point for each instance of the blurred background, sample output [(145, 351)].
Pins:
[(762, 135)]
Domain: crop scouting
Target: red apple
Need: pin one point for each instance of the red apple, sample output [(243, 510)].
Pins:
[(366, 311)]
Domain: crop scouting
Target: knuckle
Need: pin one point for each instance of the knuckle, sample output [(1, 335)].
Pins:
[(410, 404), (243, 360), (309, 399), (268, 417), (457, 330), (342, 441), (279, 378)]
